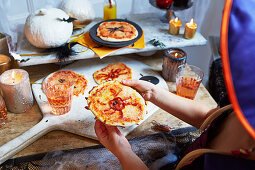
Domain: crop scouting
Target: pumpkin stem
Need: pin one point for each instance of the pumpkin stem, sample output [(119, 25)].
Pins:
[(42, 11)]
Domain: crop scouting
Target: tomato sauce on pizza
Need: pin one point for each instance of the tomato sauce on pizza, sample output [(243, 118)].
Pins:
[(115, 71), (116, 31), (116, 104)]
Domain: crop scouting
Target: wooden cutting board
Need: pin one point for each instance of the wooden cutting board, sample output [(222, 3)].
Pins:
[(79, 120)]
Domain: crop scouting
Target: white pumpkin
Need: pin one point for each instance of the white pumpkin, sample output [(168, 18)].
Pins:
[(45, 28), (82, 10)]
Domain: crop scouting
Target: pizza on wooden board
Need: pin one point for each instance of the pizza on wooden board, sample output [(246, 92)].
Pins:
[(68, 77), (116, 31), (114, 71), (116, 104)]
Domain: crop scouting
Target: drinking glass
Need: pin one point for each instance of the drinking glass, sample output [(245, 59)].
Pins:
[(59, 97), (188, 79)]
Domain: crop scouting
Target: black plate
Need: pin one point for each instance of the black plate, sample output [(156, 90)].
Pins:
[(151, 79), (94, 37)]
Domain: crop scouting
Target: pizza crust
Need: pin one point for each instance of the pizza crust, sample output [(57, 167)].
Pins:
[(116, 104), (127, 33), (116, 40), (114, 71)]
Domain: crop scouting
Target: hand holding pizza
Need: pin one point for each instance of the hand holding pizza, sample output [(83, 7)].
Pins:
[(146, 89), (111, 138)]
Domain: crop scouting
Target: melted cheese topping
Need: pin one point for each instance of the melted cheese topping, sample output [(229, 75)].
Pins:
[(115, 71), (116, 104), (115, 31)]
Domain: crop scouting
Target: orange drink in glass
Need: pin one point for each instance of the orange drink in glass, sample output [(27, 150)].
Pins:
[(59, 97), (188, 80), (110, 9)]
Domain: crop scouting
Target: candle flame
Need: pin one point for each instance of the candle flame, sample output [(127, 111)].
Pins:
[(176, 19), (13, 75), (175, 55), (191, 21)]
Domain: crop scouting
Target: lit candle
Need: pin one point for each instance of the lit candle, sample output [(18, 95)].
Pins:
[(190, 29), (173, 57), (17, 92), (176, 55), (174, 26)]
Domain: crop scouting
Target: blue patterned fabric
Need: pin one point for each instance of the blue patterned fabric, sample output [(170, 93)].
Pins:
[(241, 47), (157, 151)]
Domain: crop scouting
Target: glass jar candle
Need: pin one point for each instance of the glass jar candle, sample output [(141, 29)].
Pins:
[(17, 93), (173, 58)]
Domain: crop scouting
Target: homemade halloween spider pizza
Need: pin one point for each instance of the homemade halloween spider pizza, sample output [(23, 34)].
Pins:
[(116, 104), (116, 31), (68, 77), (115, 71)]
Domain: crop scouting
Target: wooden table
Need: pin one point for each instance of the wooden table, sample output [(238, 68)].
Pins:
[(60, 140)]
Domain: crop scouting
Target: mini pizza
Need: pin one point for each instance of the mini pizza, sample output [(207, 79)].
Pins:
[(68, 77), (115, 71), (116, 31), (116, 104)]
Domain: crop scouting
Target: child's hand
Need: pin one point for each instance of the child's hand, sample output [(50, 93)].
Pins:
[(146, 89), (111, 138)]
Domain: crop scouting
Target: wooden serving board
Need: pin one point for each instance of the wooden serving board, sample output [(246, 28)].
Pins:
[(79, 120)]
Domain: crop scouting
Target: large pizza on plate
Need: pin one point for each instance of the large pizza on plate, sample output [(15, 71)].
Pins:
[(70, 78), (114, 71), (116, 31), (116, 104)]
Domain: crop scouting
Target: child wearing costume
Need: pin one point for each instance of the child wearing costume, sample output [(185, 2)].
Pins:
[(228, 138)]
